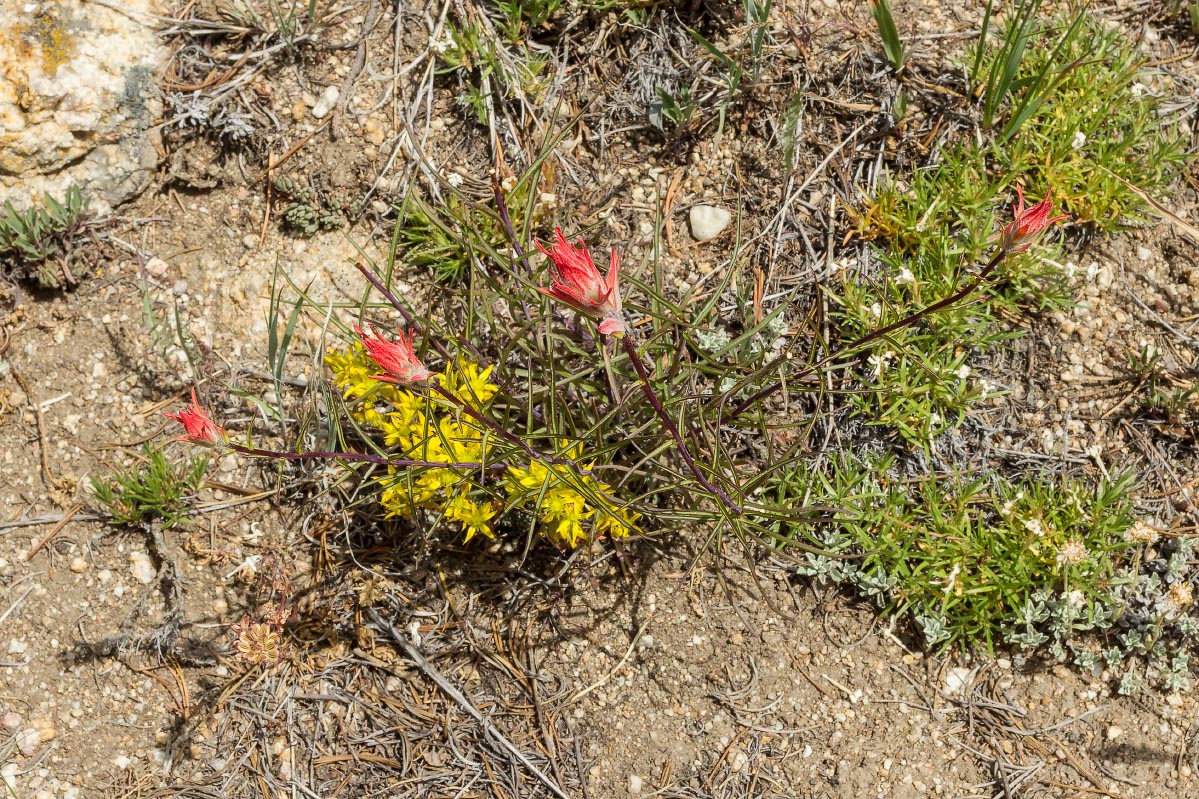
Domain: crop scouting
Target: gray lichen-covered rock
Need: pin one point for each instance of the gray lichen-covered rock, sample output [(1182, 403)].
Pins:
[(76, 99)]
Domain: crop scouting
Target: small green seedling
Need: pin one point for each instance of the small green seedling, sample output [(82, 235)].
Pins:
[(154, 489)]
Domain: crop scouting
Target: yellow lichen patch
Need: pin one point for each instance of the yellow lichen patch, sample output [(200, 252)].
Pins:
[(48, 29)]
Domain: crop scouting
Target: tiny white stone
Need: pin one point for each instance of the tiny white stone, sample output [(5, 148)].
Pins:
[(8, 776), (957, 679), (1114, 732), (326, 101), (78, 564), (142, 568), (738, 760), (122, 762), (635, 784), (17, 647), (414, 632), (27, 740), (156, 267), (708, 221)]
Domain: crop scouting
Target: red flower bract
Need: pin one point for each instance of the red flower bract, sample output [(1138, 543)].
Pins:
[(1028, 225), (580, 285), (196, 423), (396, 358)]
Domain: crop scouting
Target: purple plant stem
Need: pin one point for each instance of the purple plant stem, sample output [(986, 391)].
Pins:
[(360, 457), (395, 303), (874, 335), (639, 366), (482, 418), (506, 219), (386, 292)]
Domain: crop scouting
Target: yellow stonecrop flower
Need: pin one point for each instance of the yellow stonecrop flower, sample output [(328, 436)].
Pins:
[(469, 384), (565, 502), (474, 517), (571, 509)]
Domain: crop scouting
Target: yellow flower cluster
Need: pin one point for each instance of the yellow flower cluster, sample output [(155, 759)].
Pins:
[(560, 499), (569, 507)]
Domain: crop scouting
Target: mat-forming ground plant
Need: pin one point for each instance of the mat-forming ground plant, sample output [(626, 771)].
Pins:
[(37, 242)]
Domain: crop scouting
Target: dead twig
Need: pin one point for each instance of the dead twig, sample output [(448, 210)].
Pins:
[(53, 531), (418, 658), (43, 441), (347, 85)]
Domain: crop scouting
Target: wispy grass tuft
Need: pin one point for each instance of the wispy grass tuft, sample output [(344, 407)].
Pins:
[(156, 489)]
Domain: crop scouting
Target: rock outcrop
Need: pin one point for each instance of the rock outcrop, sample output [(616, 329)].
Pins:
[(77, 97)]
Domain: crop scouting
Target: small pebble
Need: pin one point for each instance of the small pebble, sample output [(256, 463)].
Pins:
[(142, 568), (46, 731), (738, 760), (708, 221), (1114, 732), (156, 267), (957, 679), (635, 784), (27, 741), (373, 131), (326, 102), (79, 564)]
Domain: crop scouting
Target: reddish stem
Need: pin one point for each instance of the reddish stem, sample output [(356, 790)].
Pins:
[(360, 457), (874, 335), (639, 366), (492, 425)]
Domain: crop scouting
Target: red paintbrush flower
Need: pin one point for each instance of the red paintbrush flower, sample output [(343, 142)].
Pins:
[(396, 358), (1028, 225), (196, 423), (580, 285)]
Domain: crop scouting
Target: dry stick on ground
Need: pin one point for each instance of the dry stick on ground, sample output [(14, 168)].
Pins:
[(347, 85), (47, 475), (417, 657), (53, 531), (161, 640)]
